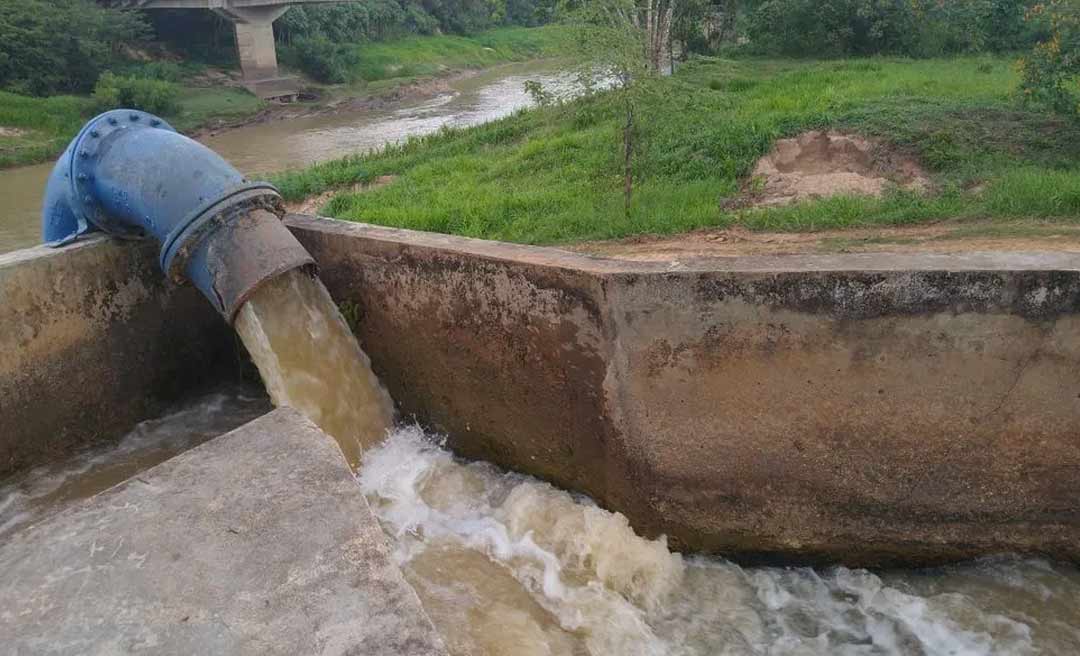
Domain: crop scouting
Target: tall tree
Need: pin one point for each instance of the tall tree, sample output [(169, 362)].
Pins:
[(61, 46)]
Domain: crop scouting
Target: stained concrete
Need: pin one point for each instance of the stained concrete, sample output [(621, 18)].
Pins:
[(868, 409), (257, 542), (93, 340)]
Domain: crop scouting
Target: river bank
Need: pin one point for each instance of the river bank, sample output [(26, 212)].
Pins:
[(316, 104), (350, 128), (34, 130)]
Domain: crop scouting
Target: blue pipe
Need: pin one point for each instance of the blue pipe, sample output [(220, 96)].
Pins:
[(131, 175)]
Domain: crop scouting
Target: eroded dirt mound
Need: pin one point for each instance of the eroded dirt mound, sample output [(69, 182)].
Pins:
[(821, 164)]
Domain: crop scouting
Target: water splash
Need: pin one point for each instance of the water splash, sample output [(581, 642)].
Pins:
[(506, 564), (309, 360)]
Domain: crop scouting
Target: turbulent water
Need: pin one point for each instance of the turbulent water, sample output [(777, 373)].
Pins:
[(309, 360), (506, 564)]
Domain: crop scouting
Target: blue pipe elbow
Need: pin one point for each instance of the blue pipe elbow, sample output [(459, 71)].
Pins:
[(131, 175)]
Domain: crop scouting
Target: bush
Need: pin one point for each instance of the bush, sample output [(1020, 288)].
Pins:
[(61, 46), (1051, 72), (154, 96), (832, 27), (324, 60), (159, 70)]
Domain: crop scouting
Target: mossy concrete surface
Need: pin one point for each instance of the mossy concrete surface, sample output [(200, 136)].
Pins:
[(257, 542)]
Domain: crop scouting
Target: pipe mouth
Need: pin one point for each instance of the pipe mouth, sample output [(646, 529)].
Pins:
[(233, 258), (178, 245)]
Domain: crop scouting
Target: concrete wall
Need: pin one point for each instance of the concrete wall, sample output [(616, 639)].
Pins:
[(257, 543), (864, 408), (93, 340)]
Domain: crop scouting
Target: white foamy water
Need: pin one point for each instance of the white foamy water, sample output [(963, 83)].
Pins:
[(508, 565)]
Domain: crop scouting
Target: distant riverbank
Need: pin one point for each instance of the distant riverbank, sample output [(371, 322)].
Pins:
[(36, 129), (347, 129)]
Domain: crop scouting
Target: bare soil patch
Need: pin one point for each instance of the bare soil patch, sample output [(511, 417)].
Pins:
[(12, 132), (952, 238), (822, 164)]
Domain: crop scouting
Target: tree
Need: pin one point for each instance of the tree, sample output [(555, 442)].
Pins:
[(62, 46), (1051, 72), (623, 43)]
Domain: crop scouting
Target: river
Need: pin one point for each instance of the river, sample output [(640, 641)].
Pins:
[(288, 144)]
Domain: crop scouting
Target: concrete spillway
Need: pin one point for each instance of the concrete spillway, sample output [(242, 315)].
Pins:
[(848, 408), (144, 565)]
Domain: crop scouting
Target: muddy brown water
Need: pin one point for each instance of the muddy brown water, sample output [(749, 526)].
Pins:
[(288, 144)]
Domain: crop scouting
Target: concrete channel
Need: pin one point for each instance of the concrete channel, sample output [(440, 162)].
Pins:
[(863, 409)]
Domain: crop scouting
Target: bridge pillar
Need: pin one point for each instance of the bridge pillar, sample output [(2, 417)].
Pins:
[(255, 46)]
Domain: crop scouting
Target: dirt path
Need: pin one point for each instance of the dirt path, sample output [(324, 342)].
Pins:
[(939, 238)]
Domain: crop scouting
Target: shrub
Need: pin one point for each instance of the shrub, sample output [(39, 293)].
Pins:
[(159, 70), (324, 60), (154, 96), (1050, 74)]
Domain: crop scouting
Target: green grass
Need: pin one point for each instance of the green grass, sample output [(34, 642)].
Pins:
[(200, 106), (554, 175), (46, 125), (423, 56)]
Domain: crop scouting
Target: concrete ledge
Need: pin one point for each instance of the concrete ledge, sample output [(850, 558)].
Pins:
[(257, 542), (94, 340), (869, 409)]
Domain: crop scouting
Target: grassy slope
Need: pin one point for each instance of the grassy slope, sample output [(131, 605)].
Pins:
[(48, 124), (424, 56), (45, 125), (554, 175)]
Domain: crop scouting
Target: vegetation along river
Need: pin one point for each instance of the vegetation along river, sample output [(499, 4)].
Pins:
[(286, 144)]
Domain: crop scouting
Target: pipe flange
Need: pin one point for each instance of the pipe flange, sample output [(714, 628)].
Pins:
[(84, 152), (176, 248)]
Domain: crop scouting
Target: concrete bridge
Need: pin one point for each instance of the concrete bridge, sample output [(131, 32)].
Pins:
[(254, 20)]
